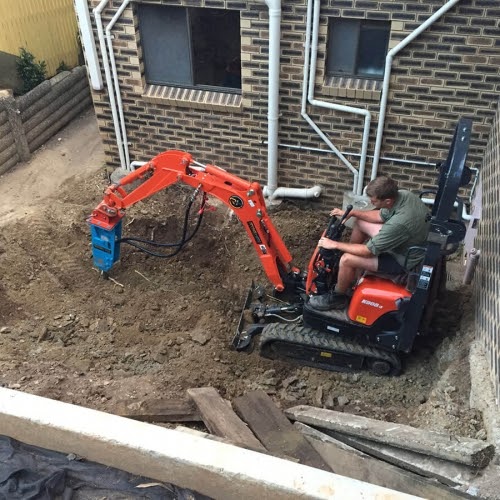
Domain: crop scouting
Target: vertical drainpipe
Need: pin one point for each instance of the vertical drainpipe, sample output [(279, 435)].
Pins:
[(109, 38), (109, 84), (272, 191), (305, 92), (387, 76), (273, 97), (88, 44), (358, 175)]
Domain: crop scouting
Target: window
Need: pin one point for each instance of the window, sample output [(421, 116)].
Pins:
[(357, 48), (191, 47)]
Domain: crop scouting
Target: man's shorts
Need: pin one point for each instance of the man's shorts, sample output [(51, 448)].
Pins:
[(389, 265)]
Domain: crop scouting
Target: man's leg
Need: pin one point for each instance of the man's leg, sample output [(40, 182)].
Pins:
[(363, 230), (350, 264), (348, 267)]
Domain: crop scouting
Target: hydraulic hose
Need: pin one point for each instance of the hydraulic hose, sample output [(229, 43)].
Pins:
[(178, 245)]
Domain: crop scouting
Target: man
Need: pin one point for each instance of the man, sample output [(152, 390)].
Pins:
[(379, 241)]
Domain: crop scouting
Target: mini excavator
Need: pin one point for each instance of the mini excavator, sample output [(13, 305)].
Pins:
[(384, 315)]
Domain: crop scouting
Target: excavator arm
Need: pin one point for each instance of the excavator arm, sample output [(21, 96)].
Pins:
[(243, 197)]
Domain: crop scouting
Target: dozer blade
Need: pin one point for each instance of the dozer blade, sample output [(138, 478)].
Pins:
[(245, 332)]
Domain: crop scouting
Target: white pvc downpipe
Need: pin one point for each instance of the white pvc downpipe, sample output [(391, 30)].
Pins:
[(387, 76), (305, 88), (359, 176), (272, 190), (109, 38), (109, 84), (273, 96), (88, 44)]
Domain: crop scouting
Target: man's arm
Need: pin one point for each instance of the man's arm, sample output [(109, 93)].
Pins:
[(359, 249), (366, 215)]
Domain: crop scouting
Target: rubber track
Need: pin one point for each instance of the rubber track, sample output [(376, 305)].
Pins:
[(302, 335)]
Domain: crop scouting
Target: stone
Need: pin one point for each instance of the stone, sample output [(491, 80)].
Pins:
[(200, 337), (343, 400)]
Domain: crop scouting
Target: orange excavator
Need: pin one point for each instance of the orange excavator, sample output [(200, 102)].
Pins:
[(383, 317)]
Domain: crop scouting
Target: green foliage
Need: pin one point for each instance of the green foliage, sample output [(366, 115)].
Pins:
[(62, 67), (32, 73)]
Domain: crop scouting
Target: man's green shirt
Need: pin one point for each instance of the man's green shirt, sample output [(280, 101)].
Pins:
[(404, 225)]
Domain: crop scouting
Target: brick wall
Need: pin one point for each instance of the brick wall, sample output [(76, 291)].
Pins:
[(450, 70), (487, 279)]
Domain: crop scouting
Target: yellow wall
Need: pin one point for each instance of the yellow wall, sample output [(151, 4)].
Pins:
[(46, 28)]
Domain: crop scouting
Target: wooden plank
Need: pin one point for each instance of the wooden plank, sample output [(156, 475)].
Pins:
[(158, 410), (221, 420), (450, 473), (350, 462), (274, 430), (463, 450)]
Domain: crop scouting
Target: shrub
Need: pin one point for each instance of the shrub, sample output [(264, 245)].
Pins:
[(32, 73)]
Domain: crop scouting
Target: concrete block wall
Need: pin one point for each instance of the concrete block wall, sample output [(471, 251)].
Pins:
[(9, 155), (487, 276), (28, 121), (450, 70)]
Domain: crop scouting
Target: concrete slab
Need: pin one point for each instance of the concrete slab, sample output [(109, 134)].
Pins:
[(215, 469)]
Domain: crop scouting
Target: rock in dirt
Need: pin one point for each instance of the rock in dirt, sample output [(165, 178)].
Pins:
[(343, 400), (200, 337)]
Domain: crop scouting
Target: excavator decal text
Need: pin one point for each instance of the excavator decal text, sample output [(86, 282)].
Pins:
[(254, 232)]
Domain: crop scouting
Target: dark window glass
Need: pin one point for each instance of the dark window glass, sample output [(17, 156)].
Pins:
[(342, 47), (191, 47), (357, 48), (166, 45), (372, 50)]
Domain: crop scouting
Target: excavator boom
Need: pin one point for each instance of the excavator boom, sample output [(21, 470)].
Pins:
[(243, 197)]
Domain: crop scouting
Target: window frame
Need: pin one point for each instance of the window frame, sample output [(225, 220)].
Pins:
[(163, 82), (384, 26)]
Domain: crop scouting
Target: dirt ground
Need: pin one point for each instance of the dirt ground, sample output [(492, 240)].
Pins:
[(68, 334)]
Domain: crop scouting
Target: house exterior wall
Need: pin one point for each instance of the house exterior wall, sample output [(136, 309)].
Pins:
[(47, 29), (450, 70), (487, 278)]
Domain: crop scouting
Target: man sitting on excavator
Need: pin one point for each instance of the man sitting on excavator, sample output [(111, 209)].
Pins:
[(379, 241)]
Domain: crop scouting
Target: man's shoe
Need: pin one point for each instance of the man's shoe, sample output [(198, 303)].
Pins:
[(329, 301)]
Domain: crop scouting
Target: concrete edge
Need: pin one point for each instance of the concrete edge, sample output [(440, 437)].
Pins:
[(482, 395), (209, 467)]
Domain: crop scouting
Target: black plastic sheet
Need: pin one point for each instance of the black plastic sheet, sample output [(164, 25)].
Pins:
[(31, 473)]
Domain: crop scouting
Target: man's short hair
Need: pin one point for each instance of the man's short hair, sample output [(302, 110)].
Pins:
[(382, 187)]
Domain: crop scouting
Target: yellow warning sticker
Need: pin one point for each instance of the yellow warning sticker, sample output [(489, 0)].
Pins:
[(326, 354), (360, 319)]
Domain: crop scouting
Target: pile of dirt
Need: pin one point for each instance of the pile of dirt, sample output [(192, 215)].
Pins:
[(164, 325)]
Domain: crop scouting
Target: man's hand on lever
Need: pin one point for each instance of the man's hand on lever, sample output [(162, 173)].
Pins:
[(338, 212), (327, 243)]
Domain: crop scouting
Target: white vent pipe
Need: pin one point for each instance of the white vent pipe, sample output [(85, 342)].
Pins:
[(387, 76)]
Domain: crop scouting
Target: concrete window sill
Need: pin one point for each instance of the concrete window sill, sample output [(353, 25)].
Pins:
[(190, 98), (352, 88)]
